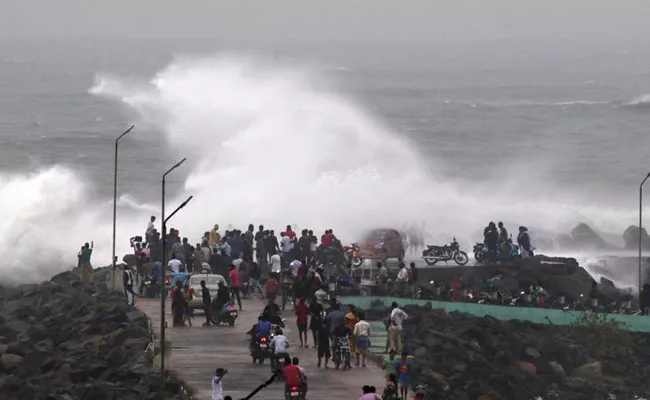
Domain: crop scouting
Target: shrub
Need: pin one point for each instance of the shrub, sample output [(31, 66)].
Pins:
[(603, 336)]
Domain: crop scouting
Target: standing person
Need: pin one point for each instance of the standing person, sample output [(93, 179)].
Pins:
[(128, 285), (305, 245), (302, 315), (383, 277), (198, 259), (84, 261), (351, 320), (491, 238), (286, 246), (217, 384), (388, 365), (260, 248), (178, 305), (289, 232), (523, 239), (207, 301), (256, 274), (276, 263), (175, 264), (188, 295), (323, 345), (361, 333), (395, 330), (215, 237), (316, 318), (402, 279), (150, 228), (413, 280), (249, 238), (236, 245), (233, 275), (177, 248), (403, 368)]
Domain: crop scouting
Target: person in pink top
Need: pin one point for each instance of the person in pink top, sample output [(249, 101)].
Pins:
[(369, 393), (233, 275)]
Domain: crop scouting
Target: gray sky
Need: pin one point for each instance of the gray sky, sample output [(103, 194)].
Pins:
[(325, 20)]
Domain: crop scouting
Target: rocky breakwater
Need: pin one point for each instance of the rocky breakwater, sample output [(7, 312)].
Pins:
[(462, 357), (66, 340)]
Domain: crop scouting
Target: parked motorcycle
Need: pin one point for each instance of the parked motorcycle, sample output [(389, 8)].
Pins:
[(433, 254), (483, 255), (330, 256), (352, 253), (148, 288), (228, 314)]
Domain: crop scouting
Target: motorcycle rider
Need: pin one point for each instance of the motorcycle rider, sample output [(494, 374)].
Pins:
[(259, 330), (279, 344), (272, 313), (293, 376), (296, 361), (223, 296)]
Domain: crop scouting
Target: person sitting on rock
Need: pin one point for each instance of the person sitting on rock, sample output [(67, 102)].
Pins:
[(391, 391)]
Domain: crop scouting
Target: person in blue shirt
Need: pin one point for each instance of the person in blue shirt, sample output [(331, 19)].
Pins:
[(262, 328), (403, 369)]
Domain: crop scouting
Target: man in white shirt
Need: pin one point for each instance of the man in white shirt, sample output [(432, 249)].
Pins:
[(175, 264), (402, 278), (362, 333), (395, 330), (279, 344), (276, 263), (217, 385), (285, 247), (150, 228)]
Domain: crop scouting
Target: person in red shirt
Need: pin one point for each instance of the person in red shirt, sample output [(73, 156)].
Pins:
[(302, 318), (292, 376), (234, 284), (271, 287), (290, 233), (328, 238)]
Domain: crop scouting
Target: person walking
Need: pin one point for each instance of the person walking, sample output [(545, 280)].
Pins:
[(361, 333), (233, 275), (395, 330), (403, 368), (302, 314), (316, 318), (323, 345), (207, 302), (84, 261), (351, 320)]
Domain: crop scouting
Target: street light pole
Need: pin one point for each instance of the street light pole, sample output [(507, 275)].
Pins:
[(164, 262), (640, 227), (115, 196)]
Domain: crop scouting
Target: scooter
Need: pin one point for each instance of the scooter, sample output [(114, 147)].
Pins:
[(227, 314)]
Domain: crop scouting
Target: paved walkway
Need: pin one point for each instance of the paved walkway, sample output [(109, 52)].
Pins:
[(197, 351)]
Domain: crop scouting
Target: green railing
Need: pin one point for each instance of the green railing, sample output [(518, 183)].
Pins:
[(633, 323)]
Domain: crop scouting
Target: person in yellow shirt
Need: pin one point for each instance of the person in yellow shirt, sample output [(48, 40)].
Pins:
[(351, 320), (215, 237)]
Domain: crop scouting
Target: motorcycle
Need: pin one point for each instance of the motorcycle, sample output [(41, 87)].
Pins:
[(227, 314), (352, 254), (277, 362), (433, 254), (148, 288), (261, 350), (330, 255), (293, 393), (341, 354), (483, 255)]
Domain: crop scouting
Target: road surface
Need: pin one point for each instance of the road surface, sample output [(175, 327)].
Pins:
[(197, 351)]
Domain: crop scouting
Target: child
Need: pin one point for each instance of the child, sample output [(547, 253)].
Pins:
[(388, 365), (323, 344), (217, 386), (403, 369), (391, 392)]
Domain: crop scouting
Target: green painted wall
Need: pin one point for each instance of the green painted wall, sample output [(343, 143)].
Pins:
[(537, 315)]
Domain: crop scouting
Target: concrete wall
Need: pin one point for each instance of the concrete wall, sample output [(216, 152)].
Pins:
[(537, 315)]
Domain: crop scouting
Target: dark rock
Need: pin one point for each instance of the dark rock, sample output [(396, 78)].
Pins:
[(585, 238), (631, 238), (9, 362)]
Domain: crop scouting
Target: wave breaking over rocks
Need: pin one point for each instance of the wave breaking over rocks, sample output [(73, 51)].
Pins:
[(67, 340)]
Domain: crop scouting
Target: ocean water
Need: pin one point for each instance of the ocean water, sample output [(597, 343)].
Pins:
[(342, 136)]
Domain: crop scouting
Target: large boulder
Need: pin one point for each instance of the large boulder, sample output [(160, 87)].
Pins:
[(585, 238), (631, 238)]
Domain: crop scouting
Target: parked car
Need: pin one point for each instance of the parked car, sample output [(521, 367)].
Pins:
[(382, 244), (211, 282)]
